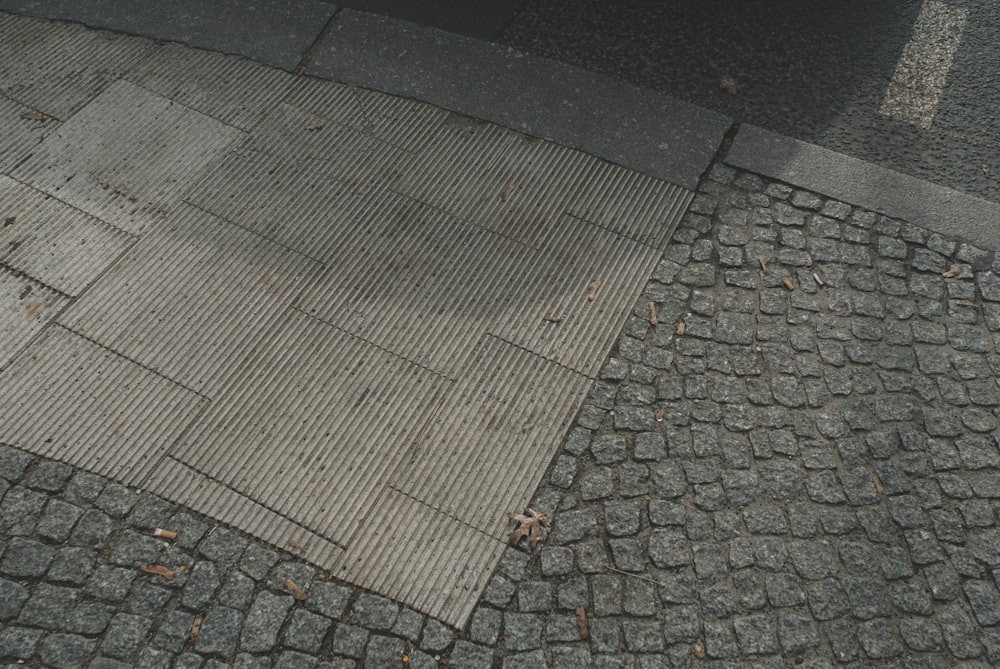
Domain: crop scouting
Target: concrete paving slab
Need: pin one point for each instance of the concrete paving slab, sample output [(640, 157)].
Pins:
[(60, 246), (324, 418), (278, 32), (19, 134), (57, 68), (73, 400), (192, 298), (231, 89), (127, 157), (26, 306), (411, 551), (494, 437), (646, 131), (943, 210)]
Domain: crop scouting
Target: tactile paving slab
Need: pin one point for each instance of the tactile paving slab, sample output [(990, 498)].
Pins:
[(323, 314), (26, 306)]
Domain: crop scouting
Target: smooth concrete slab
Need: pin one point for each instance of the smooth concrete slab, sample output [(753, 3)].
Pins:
[(644, 130), (127, 157), (943, 210), (58, 245), (70, 399), (277, 32), (57, 68)]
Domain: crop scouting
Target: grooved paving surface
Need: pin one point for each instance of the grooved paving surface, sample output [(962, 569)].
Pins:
[(25, 308), (317, 313), (18, 135)]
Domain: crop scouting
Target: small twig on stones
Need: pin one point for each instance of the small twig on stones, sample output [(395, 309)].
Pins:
[(633, 574)]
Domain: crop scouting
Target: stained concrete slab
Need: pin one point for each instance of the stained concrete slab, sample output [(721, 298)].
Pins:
[(644, 130), (26, 307), (277, 32)]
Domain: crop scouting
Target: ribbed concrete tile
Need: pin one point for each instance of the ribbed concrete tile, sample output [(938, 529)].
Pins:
[(192, 298), (56, 244), (314, 425), (186, 486), (424, 285), (574, 254), (26, 306), (292, 133), (72, 400), (19, 135), (305, 205), (421, 557), (127, 157), (57, 68), (486, 451), (403, 123), (232, 89)]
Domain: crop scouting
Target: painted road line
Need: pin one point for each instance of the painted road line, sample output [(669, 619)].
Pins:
[(916, 86)]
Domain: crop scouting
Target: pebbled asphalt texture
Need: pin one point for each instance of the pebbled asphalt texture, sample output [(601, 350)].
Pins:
[(808, 476)]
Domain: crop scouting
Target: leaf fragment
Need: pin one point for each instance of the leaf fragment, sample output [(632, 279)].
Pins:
[(954, 271), (699, 649), (292, 543), (157, 569), (763, 264), (592, 289), (313, 128), (788, 283), (680, 329), (553, 319), (581, 622), (728, 84), (966, 303), (530, 525), (33, 116), (660, 414), (653, 320), (878, 483), (298, 593), (511, 187), (195, 628)]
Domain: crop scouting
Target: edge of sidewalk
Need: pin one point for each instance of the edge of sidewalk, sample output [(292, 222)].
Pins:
[(644, 130)]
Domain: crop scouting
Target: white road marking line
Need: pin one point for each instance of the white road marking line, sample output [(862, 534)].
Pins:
[(916, 86)]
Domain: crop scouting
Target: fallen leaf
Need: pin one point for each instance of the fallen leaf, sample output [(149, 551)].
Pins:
[(529, 525), (297, 592), (986, 170), (878, 484), (728, 84), (680, 328), (507, 191), (763, 264), (592, 289), (313, 128), (554, 319), (195, 628), (699, 649), (581, 622), (33, 116), (788, 283), (954, 271), (166, 534), (157, 569), (652, 315), (965, 303), (660, 414), (292, 543)]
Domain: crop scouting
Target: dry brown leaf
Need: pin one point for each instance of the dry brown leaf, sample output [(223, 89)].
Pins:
[(660, 414), (986, 170), (878, 484), (297, 592), (763, 264), (653, 320), (965, 303), (313, 128), (581, 622), (157, 569), (954, 271), (529, 525), (592, 289), (166, 534), (195, 628), (728, 84), (699, 649), (680, 328), (33, 116), (788, 283), (292, 543), (553, 319), (508, 191)]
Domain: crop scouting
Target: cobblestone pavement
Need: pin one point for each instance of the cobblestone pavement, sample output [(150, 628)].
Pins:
[(807, 476)]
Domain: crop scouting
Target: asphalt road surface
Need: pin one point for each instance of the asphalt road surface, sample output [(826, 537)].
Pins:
[(913, 85)]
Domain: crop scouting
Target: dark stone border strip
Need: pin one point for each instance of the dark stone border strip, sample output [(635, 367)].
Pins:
[(943, 210), (644, 130)]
